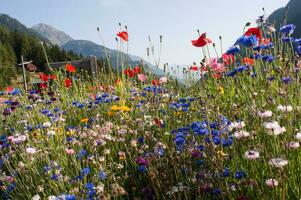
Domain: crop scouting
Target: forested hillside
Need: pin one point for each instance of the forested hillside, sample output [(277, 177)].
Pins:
[(14, 43)]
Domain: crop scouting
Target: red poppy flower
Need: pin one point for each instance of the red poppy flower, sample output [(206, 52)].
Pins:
[(44, 77), (9, 89), (43, 85), (52, 77), (123, 35), (118, 81), (129, 72), (70, 68), (247, 61), (158, 122), (228, 59), (254, 31), (216, 76), (155, 82), (265, 41), (137, 70), (204, 69), (194, 68), (68, 82), (201, 41)]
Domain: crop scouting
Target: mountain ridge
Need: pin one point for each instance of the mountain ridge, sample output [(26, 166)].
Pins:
[(54, 35)]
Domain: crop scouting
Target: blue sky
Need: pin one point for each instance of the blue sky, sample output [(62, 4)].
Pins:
[(176, 20)]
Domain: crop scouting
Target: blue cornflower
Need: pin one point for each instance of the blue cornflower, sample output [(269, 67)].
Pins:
[(81, 153), (70, 197), (247, 41), (216, 191), (1, 163), (232, 73), (287, 39), (11, 187), (297, 41), (288, 29), (216, 140), (201, 147), (46, 168), (226, 142), (242, 68), (233, 50), (141, 140), (89, 186), (45, 111), (287, 80), (54, 177), (81, 105), (298, 50), (142, 168), (267, 58), (85, 171), (240, 174), (226, 172), (199, 162), (102, 175), (215, 132)]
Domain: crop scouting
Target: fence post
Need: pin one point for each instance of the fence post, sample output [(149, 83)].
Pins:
[(24, 74), (94, 69)]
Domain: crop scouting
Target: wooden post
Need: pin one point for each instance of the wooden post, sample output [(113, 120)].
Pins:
[(94, 69), (24, 74)]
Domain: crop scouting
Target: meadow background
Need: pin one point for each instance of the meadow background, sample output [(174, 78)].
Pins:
[(229, 130)]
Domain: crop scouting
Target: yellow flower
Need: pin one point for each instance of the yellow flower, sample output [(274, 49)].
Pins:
[(178, 113), (109, 113), (59, 131), (124, 108), (84, 120), (115, 108), (221, 154), (36, 134), (70, 133), (221, 90)]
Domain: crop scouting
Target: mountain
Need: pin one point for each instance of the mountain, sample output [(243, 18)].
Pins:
[(293, 12), (52, 34), (88, 48), (12, 24)]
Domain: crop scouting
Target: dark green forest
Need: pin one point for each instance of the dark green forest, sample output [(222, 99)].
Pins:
[(13, 44)]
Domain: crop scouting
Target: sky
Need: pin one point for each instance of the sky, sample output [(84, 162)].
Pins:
[(176, 20)]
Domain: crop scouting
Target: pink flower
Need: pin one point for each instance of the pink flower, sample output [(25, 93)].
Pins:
[(31, 150), (271, 182), (10, 179), (69, 151), (142, 77), (217, 67), (163, 80)]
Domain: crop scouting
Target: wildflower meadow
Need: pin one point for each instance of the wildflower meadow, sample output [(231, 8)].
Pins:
[(233, 134)]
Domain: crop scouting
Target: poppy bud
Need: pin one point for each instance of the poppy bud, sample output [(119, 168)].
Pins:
[(213, 44), (119, 23), (116, 39), (147, 51), (248, 24), (98, 29), (161, 38), (149, 38), (198, 31), (220, 37), (126, 27)]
